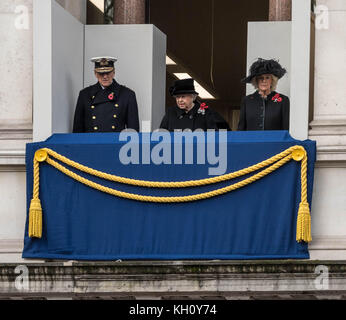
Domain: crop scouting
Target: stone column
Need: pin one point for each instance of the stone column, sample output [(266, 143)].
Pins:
[(15, 120), (129, 11), (328, 127), (280, 10), (16, 80), (300, 68)]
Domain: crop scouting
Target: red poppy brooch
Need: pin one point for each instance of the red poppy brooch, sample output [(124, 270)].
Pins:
[(202, 108), (111, 96), (277, 98)]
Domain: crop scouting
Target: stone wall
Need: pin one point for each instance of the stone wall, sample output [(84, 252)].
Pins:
[(328, 128), (16, 115)]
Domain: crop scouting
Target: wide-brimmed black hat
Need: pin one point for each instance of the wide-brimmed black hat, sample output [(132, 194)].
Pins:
[(182, 87), (263, 66)]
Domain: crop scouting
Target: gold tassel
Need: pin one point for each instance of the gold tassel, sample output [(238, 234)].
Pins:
[(35, 219), (304, 223)]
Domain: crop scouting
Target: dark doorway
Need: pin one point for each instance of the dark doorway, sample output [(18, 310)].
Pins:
[(208, 40)]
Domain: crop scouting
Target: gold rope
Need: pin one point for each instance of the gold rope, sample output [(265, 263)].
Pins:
[(304, 217), (35, 210), (194, 197), (298, 153), (173, 184)]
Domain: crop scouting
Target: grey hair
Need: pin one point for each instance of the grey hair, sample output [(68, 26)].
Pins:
[(273, 86)]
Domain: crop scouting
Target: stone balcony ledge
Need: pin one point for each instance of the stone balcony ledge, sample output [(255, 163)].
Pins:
[(224, 279)]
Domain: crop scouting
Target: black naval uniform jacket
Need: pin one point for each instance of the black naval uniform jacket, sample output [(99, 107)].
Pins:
[(106, 110), (176, 118), (257, 113)]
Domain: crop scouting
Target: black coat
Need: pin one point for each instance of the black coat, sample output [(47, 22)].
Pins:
[(106, 110), (176, 118), (257, 113)]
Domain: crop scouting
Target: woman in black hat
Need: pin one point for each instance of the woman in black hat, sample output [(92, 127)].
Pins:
[(265, 109), (188, 113)]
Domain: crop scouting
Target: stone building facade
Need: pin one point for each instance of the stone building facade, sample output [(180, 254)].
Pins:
[(327, 127)]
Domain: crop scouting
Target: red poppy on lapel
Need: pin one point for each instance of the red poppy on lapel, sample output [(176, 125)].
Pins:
[(111, 96), (202, 108), (277, 98)]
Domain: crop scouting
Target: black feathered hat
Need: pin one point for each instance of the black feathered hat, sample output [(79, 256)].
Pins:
[(182, 86), (263, 66)]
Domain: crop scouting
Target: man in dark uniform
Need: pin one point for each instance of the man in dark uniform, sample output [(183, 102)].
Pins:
[(188, 112), (105, 106)]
